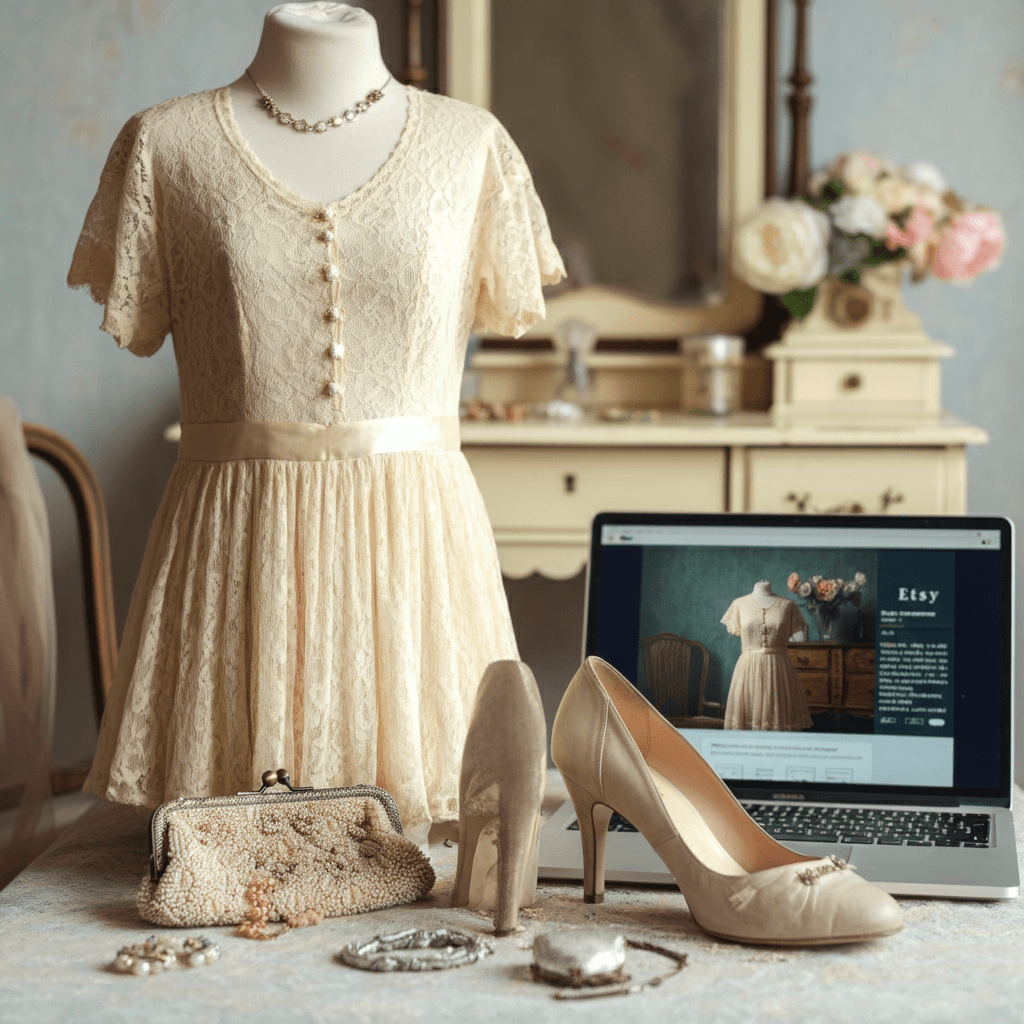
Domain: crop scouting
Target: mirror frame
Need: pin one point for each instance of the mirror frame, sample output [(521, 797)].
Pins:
[(616, 313)]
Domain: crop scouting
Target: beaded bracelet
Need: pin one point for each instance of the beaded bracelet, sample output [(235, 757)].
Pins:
[(156, 955), (455, 949)]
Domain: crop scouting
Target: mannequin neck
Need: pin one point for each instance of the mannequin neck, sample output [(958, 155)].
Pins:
[(316, 59), (763, 593)]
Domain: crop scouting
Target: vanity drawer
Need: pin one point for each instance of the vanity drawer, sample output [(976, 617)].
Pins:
[(815, 687), (860, 692), (899, 480), (872, 389), (813, 658), (533, 488), (859, 659)]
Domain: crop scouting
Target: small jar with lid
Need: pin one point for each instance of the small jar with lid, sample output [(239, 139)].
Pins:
[(712, 380)]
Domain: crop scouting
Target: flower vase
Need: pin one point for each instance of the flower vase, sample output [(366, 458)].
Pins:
[(858, 359), (826, 624)]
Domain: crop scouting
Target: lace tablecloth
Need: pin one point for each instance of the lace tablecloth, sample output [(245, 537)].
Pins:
[(63, 919)]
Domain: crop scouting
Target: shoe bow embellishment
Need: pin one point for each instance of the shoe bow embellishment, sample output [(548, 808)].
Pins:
[(810, 876)]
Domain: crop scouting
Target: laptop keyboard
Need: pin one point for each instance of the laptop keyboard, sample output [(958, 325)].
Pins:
[(793, 823), (796, 823)]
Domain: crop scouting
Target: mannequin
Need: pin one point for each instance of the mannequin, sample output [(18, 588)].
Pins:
[(317, 60), (764, 692), (321, 589), (764, 596)]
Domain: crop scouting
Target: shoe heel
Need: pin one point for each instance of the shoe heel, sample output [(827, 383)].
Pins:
[(517, 865), (593, 817), (470, 828)]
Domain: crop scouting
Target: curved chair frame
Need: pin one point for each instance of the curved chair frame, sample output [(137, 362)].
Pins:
[(91, 511), (701, 720)]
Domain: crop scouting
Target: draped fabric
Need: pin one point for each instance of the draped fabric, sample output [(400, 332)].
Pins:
[(321, 589), (28, 644)]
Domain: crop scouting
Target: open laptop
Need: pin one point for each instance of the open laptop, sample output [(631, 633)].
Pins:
[(906, 771)]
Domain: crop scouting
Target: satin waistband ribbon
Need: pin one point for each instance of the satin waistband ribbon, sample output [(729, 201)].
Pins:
[(766, 650), (314, 442)]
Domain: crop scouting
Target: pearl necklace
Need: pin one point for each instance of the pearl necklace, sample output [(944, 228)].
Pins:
[(301, 125)]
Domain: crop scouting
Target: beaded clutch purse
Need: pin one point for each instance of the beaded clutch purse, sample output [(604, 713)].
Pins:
[(307, 853)]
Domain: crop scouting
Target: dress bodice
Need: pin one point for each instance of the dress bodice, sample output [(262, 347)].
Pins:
[(284, 309), (763, 628)]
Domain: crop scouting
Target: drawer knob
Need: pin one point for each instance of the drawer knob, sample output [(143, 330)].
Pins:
[(852, 381), (570, 482)]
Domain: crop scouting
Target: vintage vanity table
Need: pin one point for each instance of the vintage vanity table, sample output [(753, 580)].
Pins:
[(856, 423)]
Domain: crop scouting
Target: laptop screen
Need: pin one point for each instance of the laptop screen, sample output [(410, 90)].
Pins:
[(824, 654)]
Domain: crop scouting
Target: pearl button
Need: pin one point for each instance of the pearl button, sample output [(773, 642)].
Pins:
[(327, 236), (333, 389), (332, 315), (330, 272), (337, 350)]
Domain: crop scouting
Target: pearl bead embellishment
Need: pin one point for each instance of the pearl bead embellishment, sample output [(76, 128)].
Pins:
[(318, 846), (331, 272), (156, 955), (333, 389), (327, 236), (337, 350), (332, 315)]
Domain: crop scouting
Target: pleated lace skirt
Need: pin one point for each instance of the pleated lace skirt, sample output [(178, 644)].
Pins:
[(766, 694), (333, 618)]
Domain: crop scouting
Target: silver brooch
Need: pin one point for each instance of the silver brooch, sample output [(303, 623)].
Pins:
[(810, 876)]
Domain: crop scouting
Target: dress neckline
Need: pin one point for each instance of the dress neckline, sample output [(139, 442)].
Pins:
[(229, 126), (764, 607)]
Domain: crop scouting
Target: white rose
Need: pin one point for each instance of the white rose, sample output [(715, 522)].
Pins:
[(782, 246), (921, 173), (860, 215), (859, 170), (895, 194)]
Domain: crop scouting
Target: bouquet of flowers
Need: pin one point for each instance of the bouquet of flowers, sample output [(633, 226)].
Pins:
[(824, 597), (861, 211)]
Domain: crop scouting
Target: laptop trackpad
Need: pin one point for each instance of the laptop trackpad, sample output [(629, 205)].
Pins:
[(844, 851)]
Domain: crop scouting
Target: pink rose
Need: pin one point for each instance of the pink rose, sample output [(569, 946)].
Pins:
[(918, 228), (970, 244), (793, 582)]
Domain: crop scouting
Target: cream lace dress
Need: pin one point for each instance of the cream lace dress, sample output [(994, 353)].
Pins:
[(765, 692), (321, 589)]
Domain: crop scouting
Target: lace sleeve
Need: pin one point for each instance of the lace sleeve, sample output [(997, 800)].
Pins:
[(515, 255), (119, 256), (731, 619)]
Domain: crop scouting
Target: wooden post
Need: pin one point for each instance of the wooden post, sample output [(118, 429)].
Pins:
[(415, 73), (800, 108)]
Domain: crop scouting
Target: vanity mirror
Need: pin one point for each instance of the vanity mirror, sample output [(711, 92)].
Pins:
[(644, 127)]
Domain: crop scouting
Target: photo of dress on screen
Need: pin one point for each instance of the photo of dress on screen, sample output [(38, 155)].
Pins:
[(776, 640)]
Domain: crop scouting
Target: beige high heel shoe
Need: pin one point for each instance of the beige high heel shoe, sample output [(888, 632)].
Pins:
[(501, 787), (616, 753)]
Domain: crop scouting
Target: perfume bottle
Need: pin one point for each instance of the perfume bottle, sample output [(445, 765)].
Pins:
[(572, 394)]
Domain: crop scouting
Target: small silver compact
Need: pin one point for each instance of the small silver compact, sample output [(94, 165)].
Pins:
[(577, 957)]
